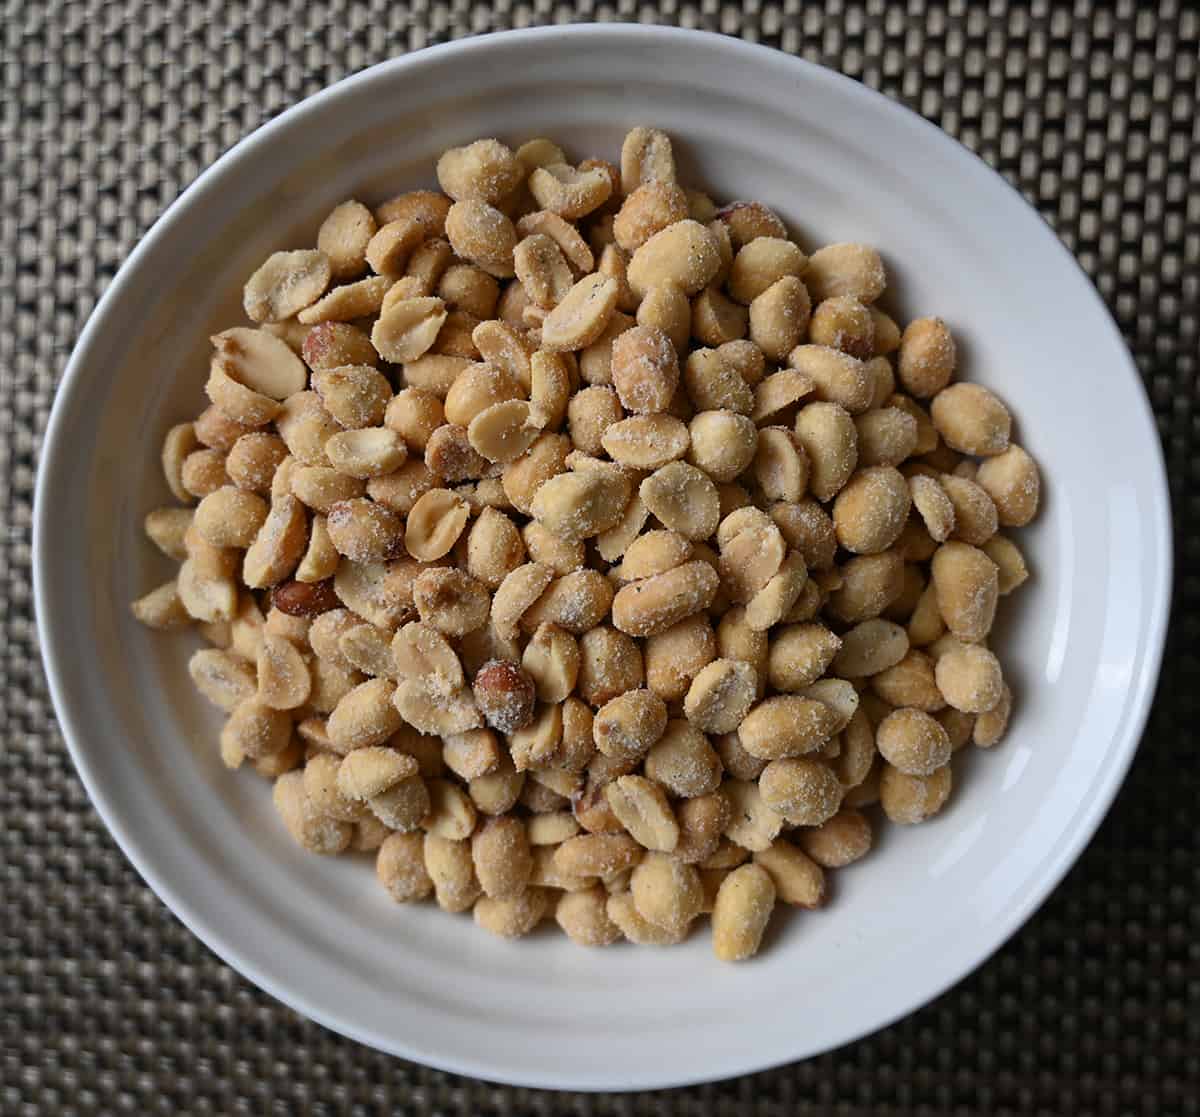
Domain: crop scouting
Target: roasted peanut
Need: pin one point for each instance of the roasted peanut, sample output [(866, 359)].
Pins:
[(675, 656), (740, 914), (483, 235), (1012, 480), (797, 875)]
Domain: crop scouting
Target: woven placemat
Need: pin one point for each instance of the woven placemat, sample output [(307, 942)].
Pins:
[(110, 1006)]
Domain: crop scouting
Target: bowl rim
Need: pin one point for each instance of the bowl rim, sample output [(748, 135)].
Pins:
[(52, 452)]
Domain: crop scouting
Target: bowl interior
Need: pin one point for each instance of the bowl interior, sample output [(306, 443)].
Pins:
[(1080, 643)]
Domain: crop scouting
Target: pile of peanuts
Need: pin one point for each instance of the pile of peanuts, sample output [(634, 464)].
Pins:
[(586, 550)]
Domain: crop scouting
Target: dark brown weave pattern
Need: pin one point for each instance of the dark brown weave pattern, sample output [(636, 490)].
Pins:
[(109, 1006)]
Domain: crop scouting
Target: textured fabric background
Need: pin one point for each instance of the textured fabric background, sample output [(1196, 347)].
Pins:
[(110, 1006)]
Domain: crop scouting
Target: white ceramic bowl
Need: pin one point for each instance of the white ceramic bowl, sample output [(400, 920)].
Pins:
[(1082, 641)]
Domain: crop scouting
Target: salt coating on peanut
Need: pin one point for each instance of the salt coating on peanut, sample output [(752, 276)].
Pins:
[(586, 549)]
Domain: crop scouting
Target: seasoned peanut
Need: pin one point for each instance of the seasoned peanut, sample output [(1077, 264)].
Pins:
[(364, 717), (969, 679), (867, 585), (203, 472), (435, 522), (870, 510), (675, 656), (336, 344), (579, 505), (388, 250), (740, 914), (180, 441), (562, 556), (804, 791), (886, 436), (482, 235), (451, 601), (779, 316), (253, 460), (644, 369), (839, 841), (967, 584), (285, 283), (913, 742), (684, 254), (223, 678), (543, 270), (284, 681), (797, 875), (975, 516), (932, 501), (230, 517), (364, 531), (402, 806), (343, 238), (278, 546), (750, 559), (989, 727), (551, 660), (775, 395), (683, 498), (683, 762), (971, 419), (655, 604), (762, 262), (378, 592), (580, 316), (162, 608), (842, 322), (400, 867), (720, 695), (597, 855), (256, 730), (655, 552), (666, 307), (583, 916), (504, 693), (314, 831), (830, 441), (713, 382), (927, 357), (406, 329), (646, 156), (516, 917), (366, 453), (471, 754), (723, 444), (1009, 561), (910, 682), (367, 772), (450, 867), (519, 590), (626, 726), (568, 191), (1012, 480), (504, 431), (807, 528), (213, 429), (485, 170), (908, 798), (427, 207), (846, 269), (451, 813), (786, 726)]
